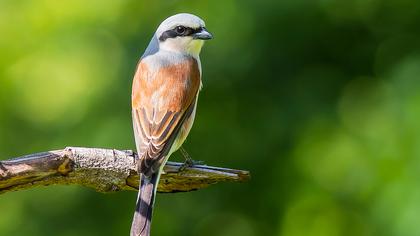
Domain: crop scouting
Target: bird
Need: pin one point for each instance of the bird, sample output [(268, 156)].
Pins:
[(164, 99)]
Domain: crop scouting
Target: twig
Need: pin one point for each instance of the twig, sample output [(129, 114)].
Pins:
[(105, 170)]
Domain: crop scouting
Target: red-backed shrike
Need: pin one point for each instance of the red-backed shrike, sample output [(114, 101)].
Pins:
[(164, 100)]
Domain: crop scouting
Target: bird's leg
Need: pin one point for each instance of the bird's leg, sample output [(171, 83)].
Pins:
[(188, 159), (189, 162)]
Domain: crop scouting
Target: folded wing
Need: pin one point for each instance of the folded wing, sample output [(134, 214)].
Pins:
[(161, 101)]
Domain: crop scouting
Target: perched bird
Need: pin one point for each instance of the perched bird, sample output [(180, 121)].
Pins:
[(164, 100)]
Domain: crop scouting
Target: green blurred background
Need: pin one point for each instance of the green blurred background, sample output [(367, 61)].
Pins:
[(319, 99)]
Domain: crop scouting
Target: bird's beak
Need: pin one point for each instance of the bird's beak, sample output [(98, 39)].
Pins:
[(203, 34)]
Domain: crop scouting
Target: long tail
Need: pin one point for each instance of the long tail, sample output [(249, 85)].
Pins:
[(142, 219)]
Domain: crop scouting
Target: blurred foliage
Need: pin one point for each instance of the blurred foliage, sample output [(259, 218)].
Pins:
[(319, 99)]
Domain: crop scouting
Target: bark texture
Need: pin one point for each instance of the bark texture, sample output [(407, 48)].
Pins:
[(105, 170)]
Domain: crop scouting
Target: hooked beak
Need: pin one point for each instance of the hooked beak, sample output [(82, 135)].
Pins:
[(203, 34)]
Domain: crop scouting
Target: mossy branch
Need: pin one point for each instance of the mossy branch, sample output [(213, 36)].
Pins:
[(105, 170)]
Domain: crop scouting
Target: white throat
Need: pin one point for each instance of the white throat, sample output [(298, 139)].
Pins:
[(183, 45)]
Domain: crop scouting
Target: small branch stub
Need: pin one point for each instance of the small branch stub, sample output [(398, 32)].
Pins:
[(105, 170)]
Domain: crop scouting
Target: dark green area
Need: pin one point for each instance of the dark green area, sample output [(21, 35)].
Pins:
[(319, 99)]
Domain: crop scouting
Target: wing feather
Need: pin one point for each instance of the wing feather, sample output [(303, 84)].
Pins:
[(161, 104)]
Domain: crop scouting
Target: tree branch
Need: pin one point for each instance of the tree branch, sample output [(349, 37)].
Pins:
[(105, 170)]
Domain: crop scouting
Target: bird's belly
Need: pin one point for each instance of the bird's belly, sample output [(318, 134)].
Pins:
[(185, 130)]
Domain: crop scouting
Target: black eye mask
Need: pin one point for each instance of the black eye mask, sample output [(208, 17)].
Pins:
[(178, 31)]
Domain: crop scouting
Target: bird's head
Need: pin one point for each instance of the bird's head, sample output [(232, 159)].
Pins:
[(184, 33)]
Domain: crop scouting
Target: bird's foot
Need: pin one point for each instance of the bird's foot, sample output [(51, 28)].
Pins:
[(189, 162)]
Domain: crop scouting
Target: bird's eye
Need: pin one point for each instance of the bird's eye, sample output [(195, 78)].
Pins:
[(180, 29)]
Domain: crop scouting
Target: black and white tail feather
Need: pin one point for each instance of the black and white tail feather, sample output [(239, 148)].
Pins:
[(142, 219)]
